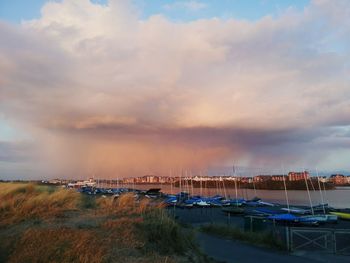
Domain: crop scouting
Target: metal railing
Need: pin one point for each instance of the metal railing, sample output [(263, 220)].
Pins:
[(330, 240)]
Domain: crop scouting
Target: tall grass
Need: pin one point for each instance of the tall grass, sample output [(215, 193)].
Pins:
[(123, 230), (19, 202), (149, 222), (58, 245), (164, 234)]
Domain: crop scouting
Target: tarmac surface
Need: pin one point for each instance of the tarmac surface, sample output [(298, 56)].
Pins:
[(223, 250)]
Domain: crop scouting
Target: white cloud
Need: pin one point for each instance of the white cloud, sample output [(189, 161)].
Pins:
[(83, 70)]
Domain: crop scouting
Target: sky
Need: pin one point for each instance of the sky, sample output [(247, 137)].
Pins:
[(125, 88)]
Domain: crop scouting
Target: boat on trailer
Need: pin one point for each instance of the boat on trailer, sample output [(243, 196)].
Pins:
[(284, 218), (233, 210), (264, 211), (342, 215), (322, 219), (295, 210), (291, 219), (202, 203)]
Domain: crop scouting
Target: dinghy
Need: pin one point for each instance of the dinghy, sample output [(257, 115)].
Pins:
[(298, 211), (233, 210), (284, 218), (322, 219), (341, 215)]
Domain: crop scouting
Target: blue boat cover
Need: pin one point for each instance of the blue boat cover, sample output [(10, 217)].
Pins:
[(284, 217), (268, 211)]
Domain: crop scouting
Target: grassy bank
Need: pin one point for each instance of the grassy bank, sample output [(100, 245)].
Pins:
[(50, 224), (20, 202), (264, 239)]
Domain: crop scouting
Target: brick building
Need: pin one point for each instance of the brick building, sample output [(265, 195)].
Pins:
[(297, 176), (338, 179)]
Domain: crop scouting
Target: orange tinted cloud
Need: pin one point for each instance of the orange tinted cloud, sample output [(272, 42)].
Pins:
[(97, 89)]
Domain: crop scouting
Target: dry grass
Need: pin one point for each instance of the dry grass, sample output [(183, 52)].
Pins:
[(58, 245), (19, 202), (124, 229), (126, 204)]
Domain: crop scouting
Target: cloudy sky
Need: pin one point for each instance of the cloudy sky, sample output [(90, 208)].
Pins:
[(125, 88)]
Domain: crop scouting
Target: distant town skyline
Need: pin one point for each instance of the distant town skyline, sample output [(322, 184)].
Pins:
[(128, 88), (334, 179)]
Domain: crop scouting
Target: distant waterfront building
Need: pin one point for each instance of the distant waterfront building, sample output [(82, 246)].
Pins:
[(129, 180), (55, 181), (150, 179), (78, 184), (324, 179), (262, 178), (279, 178), (338, 179), (198, 178), (246, 179), (297, 176)]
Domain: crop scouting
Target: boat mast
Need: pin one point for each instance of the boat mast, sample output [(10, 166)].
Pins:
[(285, 189), (324, 192), (319, 188), (308, 192), (236, 192), (206, 183), (200, 182), (180, 179), (171, 181), (223, 185), (192, 183), (254, 187)]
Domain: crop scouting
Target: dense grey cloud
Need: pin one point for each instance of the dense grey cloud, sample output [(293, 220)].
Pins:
[(89, 82)]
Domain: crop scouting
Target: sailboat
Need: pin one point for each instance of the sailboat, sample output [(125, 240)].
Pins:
[(320, 218), (289, 217), (236, 204), (341, 213), (296, 210), (233, 210)]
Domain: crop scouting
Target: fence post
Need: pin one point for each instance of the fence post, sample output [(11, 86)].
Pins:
[(334, 242), (228, 219), (287, 239)]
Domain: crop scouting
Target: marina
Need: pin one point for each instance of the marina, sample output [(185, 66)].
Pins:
[(338, 198), (283, 220), (270, 209)]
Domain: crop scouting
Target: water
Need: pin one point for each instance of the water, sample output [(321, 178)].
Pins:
[(339, 198)]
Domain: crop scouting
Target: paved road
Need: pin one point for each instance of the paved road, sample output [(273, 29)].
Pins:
[(224, 250)]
